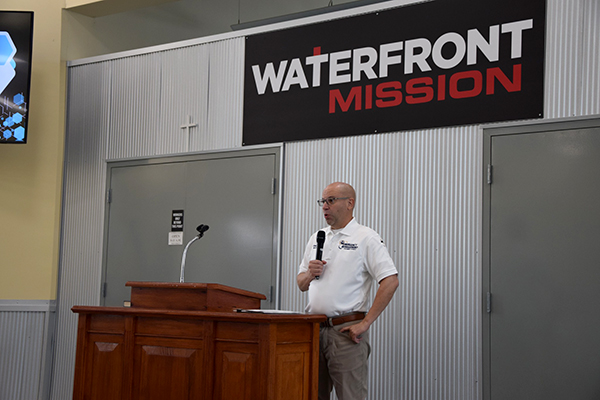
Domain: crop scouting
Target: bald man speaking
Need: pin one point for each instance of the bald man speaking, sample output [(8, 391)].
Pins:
[(353, 257)]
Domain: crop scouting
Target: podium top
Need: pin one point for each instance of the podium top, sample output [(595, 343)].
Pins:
[(196, 286), (192, 296)]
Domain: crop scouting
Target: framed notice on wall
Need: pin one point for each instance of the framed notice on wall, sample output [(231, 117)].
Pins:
[(430, 64), (16, 35)]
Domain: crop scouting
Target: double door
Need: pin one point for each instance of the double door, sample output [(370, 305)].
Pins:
[(235, 193)]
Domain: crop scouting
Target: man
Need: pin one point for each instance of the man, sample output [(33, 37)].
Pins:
[(338, 286)]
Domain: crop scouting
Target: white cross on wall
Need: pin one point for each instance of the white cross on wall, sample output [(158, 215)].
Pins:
[(189, 125)]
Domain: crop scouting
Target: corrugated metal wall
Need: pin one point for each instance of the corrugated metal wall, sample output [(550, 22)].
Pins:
[(572, 58), (198, 85), (421, 190), (83, 207), (25, 349)]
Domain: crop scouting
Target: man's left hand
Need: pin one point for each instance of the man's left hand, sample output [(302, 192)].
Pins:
[(355, 331)]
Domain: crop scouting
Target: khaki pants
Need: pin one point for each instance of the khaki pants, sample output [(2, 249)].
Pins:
[(343, 364)]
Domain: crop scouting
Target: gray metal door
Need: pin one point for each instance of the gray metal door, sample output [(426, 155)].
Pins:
[(233, 193), (543, 337)]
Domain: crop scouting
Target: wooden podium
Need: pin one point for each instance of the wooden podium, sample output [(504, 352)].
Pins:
[(186, 341)]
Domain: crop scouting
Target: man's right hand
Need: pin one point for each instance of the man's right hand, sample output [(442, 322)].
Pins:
[(315, 267)]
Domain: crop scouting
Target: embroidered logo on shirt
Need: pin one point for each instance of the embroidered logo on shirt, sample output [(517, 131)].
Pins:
[(347, 246)]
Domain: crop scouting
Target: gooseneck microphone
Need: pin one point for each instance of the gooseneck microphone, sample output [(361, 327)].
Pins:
[(320, 243), (201, 229)]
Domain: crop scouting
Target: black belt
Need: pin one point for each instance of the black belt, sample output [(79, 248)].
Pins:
[(342, 319)]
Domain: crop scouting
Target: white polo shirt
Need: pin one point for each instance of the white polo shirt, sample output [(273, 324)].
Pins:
[(356, 256)]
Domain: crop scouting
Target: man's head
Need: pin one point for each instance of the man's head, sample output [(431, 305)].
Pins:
[(338, 205)]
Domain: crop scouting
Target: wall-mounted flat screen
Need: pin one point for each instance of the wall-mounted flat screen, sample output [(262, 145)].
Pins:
[(16, 35)]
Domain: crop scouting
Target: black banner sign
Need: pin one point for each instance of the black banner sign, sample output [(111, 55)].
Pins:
[(433, 64)]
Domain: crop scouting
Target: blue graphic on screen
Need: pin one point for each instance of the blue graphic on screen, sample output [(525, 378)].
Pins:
[(11, 120), (15, 73), (7, 62)]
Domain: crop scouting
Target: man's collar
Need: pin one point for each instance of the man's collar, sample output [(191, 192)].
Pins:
[(347, 230)]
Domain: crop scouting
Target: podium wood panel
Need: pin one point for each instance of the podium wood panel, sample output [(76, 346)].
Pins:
[(168, 369), (104, 381), (167, 354), (236, 371)]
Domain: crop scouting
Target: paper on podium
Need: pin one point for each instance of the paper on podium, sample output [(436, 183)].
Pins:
[(260, 311)]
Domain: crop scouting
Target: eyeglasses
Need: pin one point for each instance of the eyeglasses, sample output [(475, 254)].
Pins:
[(330, 200)]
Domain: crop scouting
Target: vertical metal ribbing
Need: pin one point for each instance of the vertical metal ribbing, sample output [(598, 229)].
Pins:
[(572, 58), (21, 343), (183, 98), (226, 95), (83, 208), (590, 78), (202, 84), (135, 100), (563, 53)]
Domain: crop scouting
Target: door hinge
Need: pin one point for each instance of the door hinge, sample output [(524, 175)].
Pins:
[(489, 174), (104, 289), (271, 290), (109, 196), (489, 302), (274, 186)]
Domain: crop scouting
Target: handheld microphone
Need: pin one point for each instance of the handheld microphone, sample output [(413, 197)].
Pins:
[(320, 243)]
